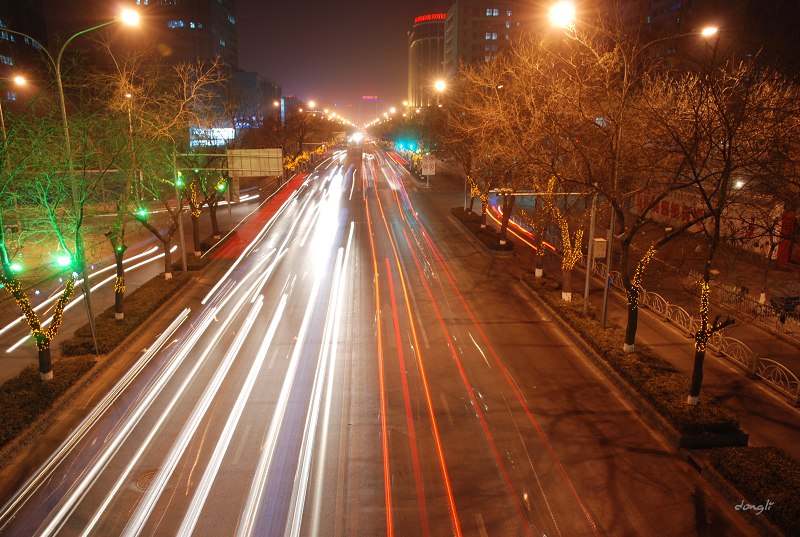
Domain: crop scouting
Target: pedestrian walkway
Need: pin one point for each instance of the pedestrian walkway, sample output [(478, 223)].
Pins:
[(768, 418)]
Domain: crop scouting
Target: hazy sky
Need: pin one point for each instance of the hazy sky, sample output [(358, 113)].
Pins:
[(333, 51)]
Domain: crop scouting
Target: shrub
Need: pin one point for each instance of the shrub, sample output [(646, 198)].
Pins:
[(25, 397), (655, 379), (139, 305), (489, 237), (761, 474)]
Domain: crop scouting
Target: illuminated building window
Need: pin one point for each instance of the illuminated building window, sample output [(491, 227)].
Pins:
[(508, 25), (11, 95), (508, 13), (222, 42), (6, 60), (488, 36), (492, 12), (231, 19), (175, 24)]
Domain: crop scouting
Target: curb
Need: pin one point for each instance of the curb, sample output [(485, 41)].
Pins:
[(481, 245), (762, 524)]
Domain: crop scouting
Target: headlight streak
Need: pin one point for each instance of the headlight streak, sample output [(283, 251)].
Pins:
[(316, 511), (201, 494), (249, 514), (517, 393), (53, 298), (78, 297), (145, 507), (352, 185), (196, 333), (250, 246), (44, 472), (81, 487), (300, 485), (423, 376)]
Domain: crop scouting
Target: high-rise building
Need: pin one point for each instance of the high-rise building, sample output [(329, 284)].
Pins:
[(425, 58), (19, 56), (477, 31), (254, 97), (177, 31)]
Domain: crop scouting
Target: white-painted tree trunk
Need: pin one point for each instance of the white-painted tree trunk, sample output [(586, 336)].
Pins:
[(167, 275), (119, 316), (538, 273), (627, 349), (692, 400), (46, 376), (762, 298), (566, 297)]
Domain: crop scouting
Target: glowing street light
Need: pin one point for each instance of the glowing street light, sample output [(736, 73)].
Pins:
[(562, 14), (312, 104), (440, 86), (19, 81), (129, 17), (709, 31)]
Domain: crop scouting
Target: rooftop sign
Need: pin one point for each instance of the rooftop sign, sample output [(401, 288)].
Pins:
[(430, 17)]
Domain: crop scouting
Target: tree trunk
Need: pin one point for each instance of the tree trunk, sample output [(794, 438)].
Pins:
[(212, 214), (566, 286), (697, 375), (471, 203), (630, 329), (45, 365), (508, 206), (196, 235), (484, 210), (167, 260), (538, 263), (119, 286)]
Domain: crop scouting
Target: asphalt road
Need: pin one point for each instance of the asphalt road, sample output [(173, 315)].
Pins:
[(364, 370)]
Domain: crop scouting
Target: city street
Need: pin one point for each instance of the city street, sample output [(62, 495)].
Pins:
[(363, 369)]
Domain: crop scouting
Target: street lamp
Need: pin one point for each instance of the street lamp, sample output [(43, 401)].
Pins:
[(128, 17), (19, 81), (562, 15)]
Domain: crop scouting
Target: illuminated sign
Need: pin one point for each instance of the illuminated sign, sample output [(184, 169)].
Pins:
[(200, 137), (430, 17), (369, 97)]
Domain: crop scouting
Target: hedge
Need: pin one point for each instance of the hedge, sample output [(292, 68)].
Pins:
[(653, 378), (139, 305), (487, 235), (761, 474), (24, 397)]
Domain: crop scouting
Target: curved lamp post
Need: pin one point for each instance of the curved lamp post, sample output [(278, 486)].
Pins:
[(128, 17), (562, 15)]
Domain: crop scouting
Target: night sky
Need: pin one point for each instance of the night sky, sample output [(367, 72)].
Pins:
[(333, 52)]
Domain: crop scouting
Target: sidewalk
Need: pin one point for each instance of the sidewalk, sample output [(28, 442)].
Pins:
[(768, 418)]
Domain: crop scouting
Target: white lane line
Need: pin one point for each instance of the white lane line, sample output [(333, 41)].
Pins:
[(481, 525), (145, 507), (201, 494), (78, 297)]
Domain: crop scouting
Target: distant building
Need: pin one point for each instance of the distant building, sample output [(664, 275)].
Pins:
[(425, 58), (477, 31), (253, 97), (177, 31), (20, 55)]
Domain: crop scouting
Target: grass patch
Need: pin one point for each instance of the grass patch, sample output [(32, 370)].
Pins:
[(761, 474), (139, 306), (25, 397), (652, 377)]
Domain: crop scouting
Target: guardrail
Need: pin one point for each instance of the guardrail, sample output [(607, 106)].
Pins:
[(774, 374)]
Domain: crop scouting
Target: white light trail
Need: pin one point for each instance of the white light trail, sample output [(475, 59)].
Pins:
[(44, 473), (145, 507), (201, 494), (247, 520), (54, 297)]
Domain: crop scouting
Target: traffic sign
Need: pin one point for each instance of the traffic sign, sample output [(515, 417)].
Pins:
[(428, 165)]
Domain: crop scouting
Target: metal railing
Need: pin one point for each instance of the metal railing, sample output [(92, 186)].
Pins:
[(776, 375)]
